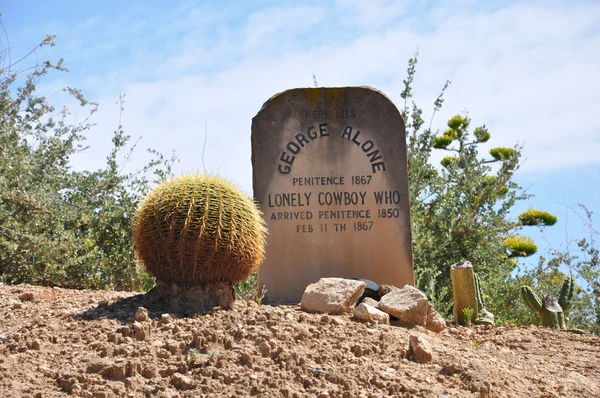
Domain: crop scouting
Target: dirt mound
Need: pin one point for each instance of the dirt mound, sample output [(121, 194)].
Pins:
[(55, 342)]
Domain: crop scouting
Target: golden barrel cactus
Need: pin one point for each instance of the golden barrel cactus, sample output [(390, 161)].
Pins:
[(196, 230)]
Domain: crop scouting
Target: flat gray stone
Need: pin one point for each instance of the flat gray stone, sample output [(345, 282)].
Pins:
[(408, 304), (333, 296)]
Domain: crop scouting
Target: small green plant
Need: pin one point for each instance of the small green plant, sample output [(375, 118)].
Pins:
[(214, 355), (476, 344), (467, 314), (260, 295), (248, 289), (192, 355)]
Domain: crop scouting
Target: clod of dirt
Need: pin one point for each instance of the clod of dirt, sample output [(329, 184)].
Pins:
[(421, 349), (141, 315)]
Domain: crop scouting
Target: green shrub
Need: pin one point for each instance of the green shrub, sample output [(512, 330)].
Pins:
[(59, 226)]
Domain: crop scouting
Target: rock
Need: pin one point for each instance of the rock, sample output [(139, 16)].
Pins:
[(15, 304), (182, 382), (420, 348), (96, 366), (478, 378), (133, 367), (165, 318), (367, 313), (435, 322), (36, 345), (150, 372), (265, 349), (191, 300), (245, 357), (117, 371), (408, 304), (385, 289), (333, 296), (27, 296), (139, 331), (141, 315), (371, 302), (325, 319)]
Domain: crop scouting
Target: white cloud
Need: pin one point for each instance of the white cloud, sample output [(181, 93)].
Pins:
[(527, 71)]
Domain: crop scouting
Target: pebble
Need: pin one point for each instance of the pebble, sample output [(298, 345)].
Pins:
[(15, 304), (35, 344), (421, 349), (139, 331), (141, 315), (27, 296), (265, 349)]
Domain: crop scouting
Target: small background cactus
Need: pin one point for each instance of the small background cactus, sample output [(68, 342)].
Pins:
[(469, 305), (197, 229), (464, 293), (484, 317), (552, 312)]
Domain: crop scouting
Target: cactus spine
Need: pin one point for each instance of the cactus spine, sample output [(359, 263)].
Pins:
[(551, 311)]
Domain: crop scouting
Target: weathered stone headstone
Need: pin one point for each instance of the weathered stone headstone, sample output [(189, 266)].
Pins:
[(330, 175)]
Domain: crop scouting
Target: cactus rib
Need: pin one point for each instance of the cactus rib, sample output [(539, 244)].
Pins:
[(566, 294), (551, 311), (484, 317), (531, 299)]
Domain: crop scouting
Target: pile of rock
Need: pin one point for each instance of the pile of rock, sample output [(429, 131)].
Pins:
[(407, 306)]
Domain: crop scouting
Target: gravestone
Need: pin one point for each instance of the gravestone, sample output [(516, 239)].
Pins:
[(330, 176)]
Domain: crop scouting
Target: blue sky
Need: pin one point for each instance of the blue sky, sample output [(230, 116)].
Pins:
[(528, 70)]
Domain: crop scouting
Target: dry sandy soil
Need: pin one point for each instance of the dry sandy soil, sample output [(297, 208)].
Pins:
[(56, 342)]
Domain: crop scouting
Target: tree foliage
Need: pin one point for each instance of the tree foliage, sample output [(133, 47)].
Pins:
[(60, 226), (462, 211)]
